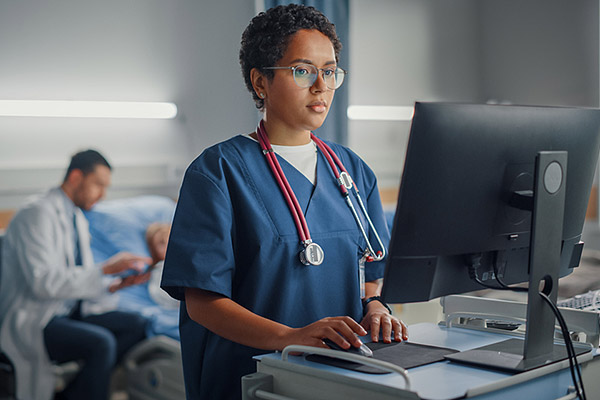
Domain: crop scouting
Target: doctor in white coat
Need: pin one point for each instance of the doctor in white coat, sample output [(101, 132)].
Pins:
[(46, 266)]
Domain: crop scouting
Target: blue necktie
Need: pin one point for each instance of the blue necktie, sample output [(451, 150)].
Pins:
[(76, 311), (78, 260)]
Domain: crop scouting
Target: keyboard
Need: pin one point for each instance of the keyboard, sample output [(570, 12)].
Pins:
[(589, 301)]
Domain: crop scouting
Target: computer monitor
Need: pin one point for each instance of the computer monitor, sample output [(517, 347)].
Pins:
[(467, 202)]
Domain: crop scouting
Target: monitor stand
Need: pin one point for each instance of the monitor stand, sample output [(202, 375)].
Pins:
[(538, 348)]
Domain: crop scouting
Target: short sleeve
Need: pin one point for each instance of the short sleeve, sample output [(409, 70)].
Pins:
[(200, 251)]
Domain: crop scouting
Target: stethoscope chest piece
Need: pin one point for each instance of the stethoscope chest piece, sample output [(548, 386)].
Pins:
[(312, 254)]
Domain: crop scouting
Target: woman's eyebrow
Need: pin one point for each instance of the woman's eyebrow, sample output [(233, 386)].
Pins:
[(301, 60), (306, 61)]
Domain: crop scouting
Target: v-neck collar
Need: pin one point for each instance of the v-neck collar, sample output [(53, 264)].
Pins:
[(322, 204), (304, 190)]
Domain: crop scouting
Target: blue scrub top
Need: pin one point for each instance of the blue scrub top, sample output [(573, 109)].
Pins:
[(233, 234)]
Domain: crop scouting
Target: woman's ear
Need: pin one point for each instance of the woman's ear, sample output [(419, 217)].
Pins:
[(258, 82)]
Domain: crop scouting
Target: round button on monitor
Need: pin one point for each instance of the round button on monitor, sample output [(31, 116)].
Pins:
[(553, 176)]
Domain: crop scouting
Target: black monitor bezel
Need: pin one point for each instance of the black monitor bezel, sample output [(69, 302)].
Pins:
[(418, 271)]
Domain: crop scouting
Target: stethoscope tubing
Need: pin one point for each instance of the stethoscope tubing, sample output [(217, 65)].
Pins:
[(293, 204), (333, 159), (377, 256), (284, 185)]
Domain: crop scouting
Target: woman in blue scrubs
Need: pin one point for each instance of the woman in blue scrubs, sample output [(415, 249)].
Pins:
[(233, 252)]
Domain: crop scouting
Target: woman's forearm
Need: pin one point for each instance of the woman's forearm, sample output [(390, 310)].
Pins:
[(228, 319), (373, 288)]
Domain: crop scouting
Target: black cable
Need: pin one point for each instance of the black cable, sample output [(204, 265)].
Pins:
[(474, 262), (570, 349), (487, 285), (504, 286), (571, 355)]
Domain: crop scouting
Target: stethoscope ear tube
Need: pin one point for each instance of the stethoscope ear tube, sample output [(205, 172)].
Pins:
[(346, 183)]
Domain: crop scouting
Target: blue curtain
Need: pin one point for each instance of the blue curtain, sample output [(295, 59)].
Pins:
[(335, 127)]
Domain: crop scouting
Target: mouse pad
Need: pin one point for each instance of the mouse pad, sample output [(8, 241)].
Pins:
[(404, 354)]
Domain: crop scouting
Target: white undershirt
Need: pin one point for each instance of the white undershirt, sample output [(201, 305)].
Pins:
[(303, 157)]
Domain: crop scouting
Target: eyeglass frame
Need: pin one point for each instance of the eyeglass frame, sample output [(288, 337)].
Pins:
[(293, 69)]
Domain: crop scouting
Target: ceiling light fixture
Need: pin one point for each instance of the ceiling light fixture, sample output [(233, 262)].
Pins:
[(87, 109), (380, 113)]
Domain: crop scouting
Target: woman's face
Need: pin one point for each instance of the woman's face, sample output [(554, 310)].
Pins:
[(290, 109)]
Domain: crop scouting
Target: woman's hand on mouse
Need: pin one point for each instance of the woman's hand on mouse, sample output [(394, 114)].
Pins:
[(379, 319), (341, 330)]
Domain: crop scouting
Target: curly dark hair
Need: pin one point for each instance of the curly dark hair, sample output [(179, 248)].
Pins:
[(266, 38)]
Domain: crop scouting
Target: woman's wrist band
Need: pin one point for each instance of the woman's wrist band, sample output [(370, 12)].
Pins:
[(374, 298)]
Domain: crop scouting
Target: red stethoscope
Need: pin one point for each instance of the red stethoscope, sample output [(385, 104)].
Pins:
[(313, 254)]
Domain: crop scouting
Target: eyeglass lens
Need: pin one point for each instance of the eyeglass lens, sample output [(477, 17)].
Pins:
[(305, 76)]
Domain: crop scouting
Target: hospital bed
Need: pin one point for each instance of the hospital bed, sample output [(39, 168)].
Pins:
[(120, 225), (152, 371), (153, 368)]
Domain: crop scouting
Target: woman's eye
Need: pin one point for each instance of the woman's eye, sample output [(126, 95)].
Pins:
[(302, 71), (328, 72)]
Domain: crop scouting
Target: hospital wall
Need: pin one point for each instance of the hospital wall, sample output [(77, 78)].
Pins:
[(182, 51), (185, 51), (541, 52)]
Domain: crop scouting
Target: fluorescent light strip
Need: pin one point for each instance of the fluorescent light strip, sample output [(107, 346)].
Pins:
[(87, 109), (380, 113)]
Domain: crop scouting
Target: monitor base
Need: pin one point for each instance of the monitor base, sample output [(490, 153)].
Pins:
[(508, 356)]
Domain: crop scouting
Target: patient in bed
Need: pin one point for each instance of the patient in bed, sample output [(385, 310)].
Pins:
[(157, 239), (140, 225)]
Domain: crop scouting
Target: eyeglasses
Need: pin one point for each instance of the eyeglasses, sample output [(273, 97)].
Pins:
[(305, 75)]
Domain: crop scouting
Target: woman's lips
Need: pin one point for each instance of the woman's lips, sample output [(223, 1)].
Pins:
[(318, 106)]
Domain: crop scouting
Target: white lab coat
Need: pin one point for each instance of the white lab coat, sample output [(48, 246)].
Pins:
[(38, 281)]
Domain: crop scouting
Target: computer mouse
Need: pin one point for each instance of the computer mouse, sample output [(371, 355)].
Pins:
[(363, 350)]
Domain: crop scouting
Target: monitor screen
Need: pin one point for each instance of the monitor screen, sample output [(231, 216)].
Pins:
[(457, 204)]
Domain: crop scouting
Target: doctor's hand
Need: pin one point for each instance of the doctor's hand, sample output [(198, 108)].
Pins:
[(120, 283), (341, 330), (378, 319), (123, 262)]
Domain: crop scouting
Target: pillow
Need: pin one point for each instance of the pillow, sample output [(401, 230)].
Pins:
[(120, 225)]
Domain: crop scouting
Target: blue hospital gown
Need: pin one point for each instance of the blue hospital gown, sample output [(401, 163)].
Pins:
[(233, 234)]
